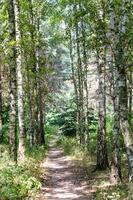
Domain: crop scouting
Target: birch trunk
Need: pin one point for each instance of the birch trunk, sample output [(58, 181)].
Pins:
[(85, 77), (21, 146), (116, 156), (13, 87), (102, 158), (80, 82)]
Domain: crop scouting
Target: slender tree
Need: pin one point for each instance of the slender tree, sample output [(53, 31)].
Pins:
[(13, 87), (80, 79), (21, 146), (102, 158)]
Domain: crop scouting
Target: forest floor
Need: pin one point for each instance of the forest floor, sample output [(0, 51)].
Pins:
[(63, 179)]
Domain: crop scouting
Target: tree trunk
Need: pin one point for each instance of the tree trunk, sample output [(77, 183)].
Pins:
[(116, 156), (21, 146), (102, 158), (33, 64), (85, 77), (124, 122), (80, 82), (13, 88), (130, 96), (1, 102), (41, 117), (74, 78), (116, 176), (29, 96)]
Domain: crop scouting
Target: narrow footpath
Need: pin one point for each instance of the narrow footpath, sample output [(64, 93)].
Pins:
[(63, 180)]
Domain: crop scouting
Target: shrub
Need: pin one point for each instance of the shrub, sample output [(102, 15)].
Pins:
[(17, 182), (20, 181)]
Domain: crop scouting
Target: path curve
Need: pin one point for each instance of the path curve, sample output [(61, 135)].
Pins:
[(63, 180)]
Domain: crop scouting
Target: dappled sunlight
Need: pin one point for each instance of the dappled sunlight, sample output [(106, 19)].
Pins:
[(62, 180)]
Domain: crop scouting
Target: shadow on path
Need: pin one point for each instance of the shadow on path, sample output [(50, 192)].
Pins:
[(63, 180)]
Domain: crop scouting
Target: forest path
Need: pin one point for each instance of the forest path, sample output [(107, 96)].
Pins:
[(63, 179)]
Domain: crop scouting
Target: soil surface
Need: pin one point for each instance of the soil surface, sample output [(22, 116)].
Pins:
[(63, 179)]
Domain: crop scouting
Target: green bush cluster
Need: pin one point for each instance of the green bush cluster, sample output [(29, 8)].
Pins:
[(118, 192), (73, 148), (36, 152), (20, 181), (17, 183), (50, 132)]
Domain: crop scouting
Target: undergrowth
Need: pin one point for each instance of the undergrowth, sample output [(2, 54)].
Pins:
[(119, 192), (72, 147), (20, 181)]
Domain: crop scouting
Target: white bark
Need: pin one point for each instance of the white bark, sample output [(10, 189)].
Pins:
[(19, 82)]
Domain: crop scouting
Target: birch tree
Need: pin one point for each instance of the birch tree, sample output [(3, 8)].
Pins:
[(13, 86), (21, 146)]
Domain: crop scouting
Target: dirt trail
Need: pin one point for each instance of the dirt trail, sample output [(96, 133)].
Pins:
[(63, 179)]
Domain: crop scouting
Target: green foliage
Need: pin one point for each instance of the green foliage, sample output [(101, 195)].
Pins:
[(5, 121), (118, 192), (50, 132), (51, 129), (68, 144), (67, 121), (5, 113), (72, 147), (65, 117), (20, 181), (17, 183), (109, 123), (36, 152)]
